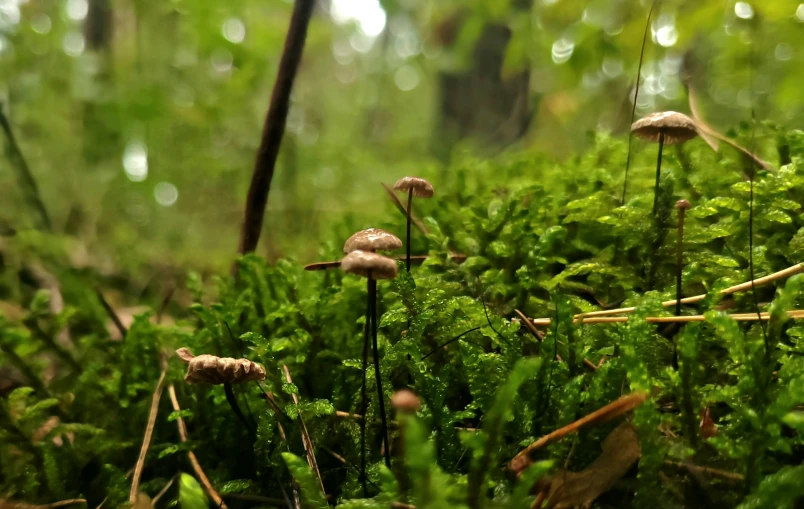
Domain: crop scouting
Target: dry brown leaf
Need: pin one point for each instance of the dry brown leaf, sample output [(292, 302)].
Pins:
[(579, 489)]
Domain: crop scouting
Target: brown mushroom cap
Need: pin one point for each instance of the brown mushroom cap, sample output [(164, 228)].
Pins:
[(683, 204), (421, 188), (219, 370), (364, 263), (372, 239), (677, 127), (406, 401)]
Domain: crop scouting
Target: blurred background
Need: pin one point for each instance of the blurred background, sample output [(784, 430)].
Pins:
[(140, 119)]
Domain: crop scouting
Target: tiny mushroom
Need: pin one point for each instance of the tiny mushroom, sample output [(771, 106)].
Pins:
[(406, 401), (666, 127), (215, 370), (419, 188), (219, 370), (368, 264), (372, 239)]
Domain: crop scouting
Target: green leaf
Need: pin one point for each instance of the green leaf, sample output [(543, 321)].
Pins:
[(310, 489), (191, 494)]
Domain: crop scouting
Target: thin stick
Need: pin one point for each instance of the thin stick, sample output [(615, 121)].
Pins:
[(26, 180), (457, 258), (407, 228), (636, 95), (149, 431), (199, 472), (401, 207), (795, 269), (164, 490), (731, 476), (112, 314), (305, 435), (540, 336), (614, 409), (796, 314), (8, 504), (274, 126)]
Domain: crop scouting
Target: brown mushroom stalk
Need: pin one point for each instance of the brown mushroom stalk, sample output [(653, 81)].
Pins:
[(658, 173), (364, 397), (372, 266), (414, 186), (681, 206)]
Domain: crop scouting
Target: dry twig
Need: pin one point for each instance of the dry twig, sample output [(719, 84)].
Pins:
[(149, 431), (305, 435), (795, 269), (199, 472), (274, 126), (795, 314)]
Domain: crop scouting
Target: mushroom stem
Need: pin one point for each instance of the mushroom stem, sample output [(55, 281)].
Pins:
[(407, 234), (363, 396), (377, 373), (658, 172), (230, 397)]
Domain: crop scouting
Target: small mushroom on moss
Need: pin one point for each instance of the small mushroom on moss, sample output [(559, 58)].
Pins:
[(225, 371), (419, 188), (372, 266), (406, 401), (666, 127), (372, 239)]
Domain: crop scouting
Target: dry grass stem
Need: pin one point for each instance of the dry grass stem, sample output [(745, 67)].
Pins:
[(731, 476), (199, 472), (401, 206), (333, 265), (305, 435), (149, 431), (795, 314), (795, 269)]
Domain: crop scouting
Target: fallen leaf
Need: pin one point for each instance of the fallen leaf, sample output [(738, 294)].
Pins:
[(579, 489)]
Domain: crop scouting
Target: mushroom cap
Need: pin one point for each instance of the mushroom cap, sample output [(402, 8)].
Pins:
[(372, 239), (683, 204), (219, 370), (405, 401), (421, 188), (677, 127), (367, 264)]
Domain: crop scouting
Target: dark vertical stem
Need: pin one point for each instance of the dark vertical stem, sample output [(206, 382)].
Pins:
[(636, 95), (24, 176), (363, 396), (377, 373), (230, 397), (407, 240), (274, 127), (658, 174), (679, 259), (679, 268)]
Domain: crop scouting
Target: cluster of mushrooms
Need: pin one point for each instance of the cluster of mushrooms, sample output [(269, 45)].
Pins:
[(362, 259)]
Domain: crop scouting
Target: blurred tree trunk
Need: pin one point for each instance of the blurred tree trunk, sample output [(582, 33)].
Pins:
[(479, 103)]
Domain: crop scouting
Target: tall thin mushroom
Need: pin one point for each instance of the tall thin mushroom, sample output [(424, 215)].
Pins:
[(419, 188), (372, 266), (666, 127), (370, 240)]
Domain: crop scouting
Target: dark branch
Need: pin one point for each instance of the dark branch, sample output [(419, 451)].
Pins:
[(274, 127)]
